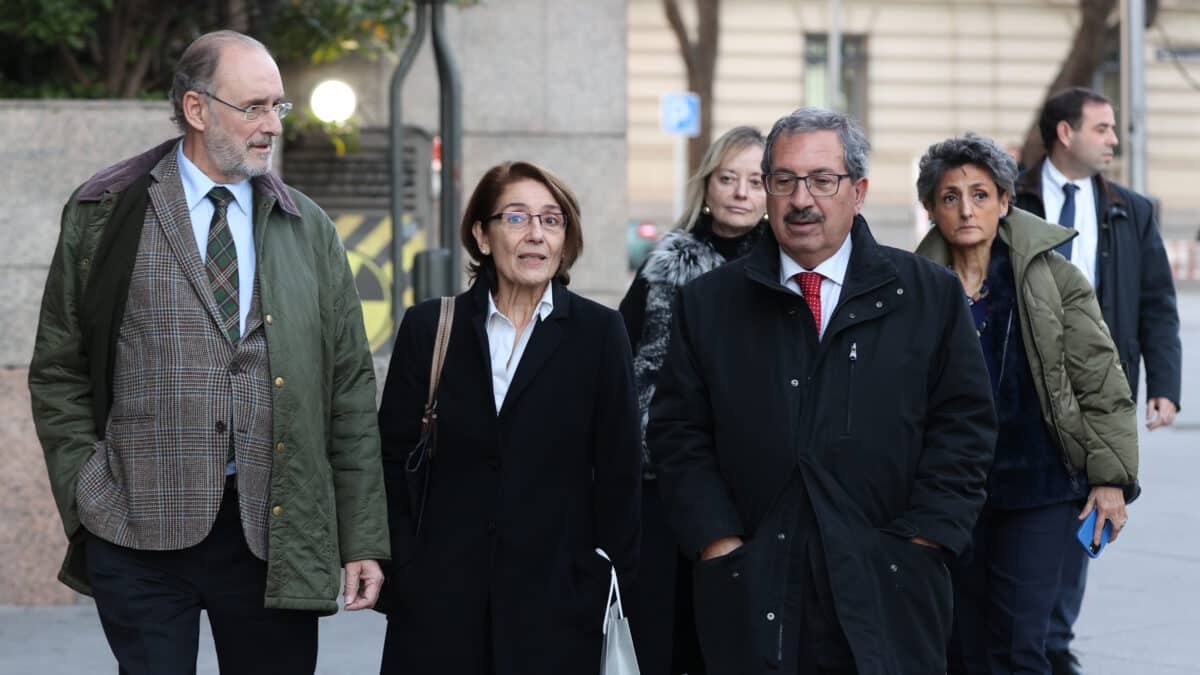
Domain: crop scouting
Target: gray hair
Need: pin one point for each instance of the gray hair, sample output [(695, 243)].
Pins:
[(855, 146), (198, 65), (736, 139), (953, 153)]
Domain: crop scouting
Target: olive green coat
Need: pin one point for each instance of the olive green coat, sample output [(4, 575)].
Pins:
[(1085, 398), (326, 469)]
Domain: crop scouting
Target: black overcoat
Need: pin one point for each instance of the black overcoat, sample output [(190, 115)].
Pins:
[(517, 501), (888, 422), (1133, 282)]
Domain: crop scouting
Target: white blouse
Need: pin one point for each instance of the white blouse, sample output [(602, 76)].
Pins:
[(506, 350)]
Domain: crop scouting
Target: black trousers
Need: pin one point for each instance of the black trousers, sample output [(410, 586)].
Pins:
[(1005, 588), (813, 641), (150, 601), (659, 603)]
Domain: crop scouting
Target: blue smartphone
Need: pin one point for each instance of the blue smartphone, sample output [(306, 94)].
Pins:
[(1087, 531)]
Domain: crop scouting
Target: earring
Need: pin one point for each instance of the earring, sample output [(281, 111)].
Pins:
[(705, 210), (766, 217), (485, 251)]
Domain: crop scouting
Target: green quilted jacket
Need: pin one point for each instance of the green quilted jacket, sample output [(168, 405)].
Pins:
[(326, 469), (1085, 398)]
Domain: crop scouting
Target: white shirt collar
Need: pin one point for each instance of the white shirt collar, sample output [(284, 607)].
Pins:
[(1058, 180), (544, 307), (832, 268), (196, 184)]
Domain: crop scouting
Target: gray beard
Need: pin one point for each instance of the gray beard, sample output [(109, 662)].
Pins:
[(231, 162)]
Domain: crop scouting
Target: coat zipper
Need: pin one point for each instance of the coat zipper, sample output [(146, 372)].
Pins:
[(850, 386), (1004, 352)]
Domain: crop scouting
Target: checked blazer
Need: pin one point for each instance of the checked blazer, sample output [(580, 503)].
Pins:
[(180, 389)]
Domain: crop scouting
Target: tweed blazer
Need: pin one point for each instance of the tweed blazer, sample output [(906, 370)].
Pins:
[(181, 388)]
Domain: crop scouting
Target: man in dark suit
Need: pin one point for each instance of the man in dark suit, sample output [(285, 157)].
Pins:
[(823, 427), (203, 390), (1120, 251)]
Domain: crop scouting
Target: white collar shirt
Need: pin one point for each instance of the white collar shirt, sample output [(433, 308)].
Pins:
[(237, 215), (505, 347), (1083, 247), (832, 268)]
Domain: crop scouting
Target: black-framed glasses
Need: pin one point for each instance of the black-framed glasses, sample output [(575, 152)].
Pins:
[(254, 112), (520, 220), (782, 184)]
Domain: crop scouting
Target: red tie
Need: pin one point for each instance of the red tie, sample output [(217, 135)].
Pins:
[(810, 286)]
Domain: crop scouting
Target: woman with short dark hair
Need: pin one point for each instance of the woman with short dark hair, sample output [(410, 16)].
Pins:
[(537, 460), (1067, 427)]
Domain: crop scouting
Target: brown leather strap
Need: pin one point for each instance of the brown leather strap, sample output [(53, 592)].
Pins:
[(441, 343)]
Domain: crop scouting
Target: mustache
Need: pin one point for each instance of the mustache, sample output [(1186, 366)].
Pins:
[(806, 215)]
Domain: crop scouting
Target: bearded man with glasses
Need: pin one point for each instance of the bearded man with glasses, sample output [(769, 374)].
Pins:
[(203, 390), (822, 518)]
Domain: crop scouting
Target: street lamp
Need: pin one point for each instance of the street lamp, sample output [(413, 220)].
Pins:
[(333, 101)]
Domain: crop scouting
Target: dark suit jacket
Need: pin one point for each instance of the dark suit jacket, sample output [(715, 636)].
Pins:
[(887, 420), (1134, 284), (518, 501)]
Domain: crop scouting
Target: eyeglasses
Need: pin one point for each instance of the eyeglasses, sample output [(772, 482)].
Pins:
[(818, 184), (519, 220), (254, 112)]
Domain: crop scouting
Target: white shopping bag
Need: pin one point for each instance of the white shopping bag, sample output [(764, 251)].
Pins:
[(617, 656)]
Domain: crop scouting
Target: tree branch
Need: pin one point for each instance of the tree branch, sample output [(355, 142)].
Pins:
[(136, 75), (73, 65), (1077, 68), (675, 19)]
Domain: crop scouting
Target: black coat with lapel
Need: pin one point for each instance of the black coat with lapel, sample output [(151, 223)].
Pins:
[(1134, 283), (887, 420), (517, 501)]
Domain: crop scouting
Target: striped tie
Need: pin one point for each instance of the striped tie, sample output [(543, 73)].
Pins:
[(222, 264)]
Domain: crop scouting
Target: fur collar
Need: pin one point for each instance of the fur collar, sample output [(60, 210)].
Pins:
[(679, 258)]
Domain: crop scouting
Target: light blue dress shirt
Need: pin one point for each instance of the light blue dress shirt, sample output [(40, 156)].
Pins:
[(239, 216)]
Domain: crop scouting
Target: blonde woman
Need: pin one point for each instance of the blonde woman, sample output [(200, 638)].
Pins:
[(722, 220)]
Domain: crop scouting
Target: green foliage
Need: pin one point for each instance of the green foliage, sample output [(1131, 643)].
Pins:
[(128, 48), (344, 137), (322, 31), (51, 22)]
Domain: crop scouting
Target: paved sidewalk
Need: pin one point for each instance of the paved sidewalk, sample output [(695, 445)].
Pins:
[(1141, 615)]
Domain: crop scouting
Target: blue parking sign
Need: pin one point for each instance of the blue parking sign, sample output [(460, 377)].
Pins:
[(679, 113)]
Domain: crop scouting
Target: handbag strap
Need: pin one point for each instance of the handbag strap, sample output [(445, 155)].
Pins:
[(614, 590), (441, 343)]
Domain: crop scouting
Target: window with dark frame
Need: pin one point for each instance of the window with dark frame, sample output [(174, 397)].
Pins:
[(853, 94)]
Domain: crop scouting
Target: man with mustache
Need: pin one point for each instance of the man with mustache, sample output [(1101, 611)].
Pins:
[(204, 393), (1120, 251), (823, 428)]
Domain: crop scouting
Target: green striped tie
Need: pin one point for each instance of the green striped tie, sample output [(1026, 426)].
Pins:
[(222, 264)]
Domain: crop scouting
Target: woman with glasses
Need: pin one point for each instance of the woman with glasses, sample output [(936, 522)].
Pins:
[(723, 216), (1067, 442), (537, 463)]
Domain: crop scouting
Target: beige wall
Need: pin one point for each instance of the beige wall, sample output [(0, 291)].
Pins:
[(935, 68)]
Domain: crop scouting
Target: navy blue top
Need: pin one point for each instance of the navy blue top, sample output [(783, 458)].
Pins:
[(1029, 469)]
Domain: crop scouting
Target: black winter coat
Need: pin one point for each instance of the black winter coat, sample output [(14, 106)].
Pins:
[(1135, 287), (888, 421), (517, 501)]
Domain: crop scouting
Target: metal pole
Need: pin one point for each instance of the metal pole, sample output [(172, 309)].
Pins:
[(1133, 91), (681, 176), (834, 60), (396, 153), (450, 113)]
